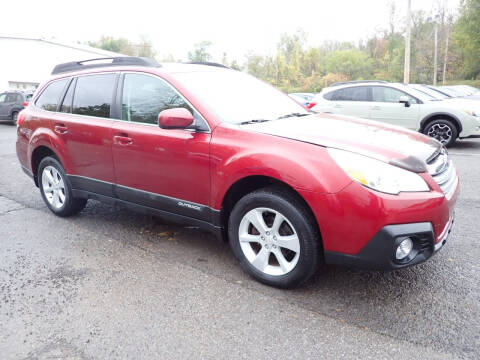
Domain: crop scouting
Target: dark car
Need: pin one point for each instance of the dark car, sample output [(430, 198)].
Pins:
[(11, 103)]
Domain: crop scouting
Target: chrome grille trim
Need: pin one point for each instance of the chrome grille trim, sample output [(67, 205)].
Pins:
[(443, 172)]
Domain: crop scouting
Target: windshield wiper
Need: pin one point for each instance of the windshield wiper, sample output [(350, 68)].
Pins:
[(293, 115), (253, 121)]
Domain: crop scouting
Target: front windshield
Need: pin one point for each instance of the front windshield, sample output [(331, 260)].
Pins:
[(461, 90), (448, 91), (237, 97), (420, 95), (432, 93)]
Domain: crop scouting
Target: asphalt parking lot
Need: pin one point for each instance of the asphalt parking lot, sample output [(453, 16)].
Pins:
[(116, 284)]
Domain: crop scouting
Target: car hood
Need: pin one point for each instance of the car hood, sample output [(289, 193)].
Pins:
[(392, 144), (463, 103)]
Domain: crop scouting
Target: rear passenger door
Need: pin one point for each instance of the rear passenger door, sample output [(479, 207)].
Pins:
[(84, 130), (353, 101)]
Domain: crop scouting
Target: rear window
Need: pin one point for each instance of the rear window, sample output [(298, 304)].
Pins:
[(50, 97), (93, 95)]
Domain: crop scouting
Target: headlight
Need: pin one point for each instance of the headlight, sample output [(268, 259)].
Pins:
[(475, 113), (376, 174)]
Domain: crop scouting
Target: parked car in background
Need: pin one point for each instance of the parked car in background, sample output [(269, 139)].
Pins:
[(461, 102), (473, 89), (452, 92), (399, 104), (288, 188), (464, 92), (303, 98), (11, 103)]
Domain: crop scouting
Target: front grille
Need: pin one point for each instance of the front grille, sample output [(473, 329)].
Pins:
[(443, 172)]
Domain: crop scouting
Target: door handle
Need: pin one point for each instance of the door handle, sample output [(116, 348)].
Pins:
[(60, 129), (338, 106), (123, 140), (376, 108)]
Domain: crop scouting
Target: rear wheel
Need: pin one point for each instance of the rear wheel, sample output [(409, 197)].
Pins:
[(274, 237), (14, 118), (56, 189), (443, 130)]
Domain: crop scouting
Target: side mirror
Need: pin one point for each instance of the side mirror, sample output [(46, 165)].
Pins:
[(176, 118), (404, 100)]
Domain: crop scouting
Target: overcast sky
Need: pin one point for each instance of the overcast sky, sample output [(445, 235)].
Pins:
[(235, 27)]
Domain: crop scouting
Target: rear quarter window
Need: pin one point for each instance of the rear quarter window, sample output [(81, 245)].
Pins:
[(50, 97)]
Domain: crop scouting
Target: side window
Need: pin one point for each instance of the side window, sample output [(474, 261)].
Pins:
[(50, 97), (329, 96), (11, 98), (144, 97), (3, 97), (388, 94), (352, 94), (67, 100), (93, 95), (19, 98)]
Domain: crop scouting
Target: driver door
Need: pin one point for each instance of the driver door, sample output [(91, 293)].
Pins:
[(159, 168)]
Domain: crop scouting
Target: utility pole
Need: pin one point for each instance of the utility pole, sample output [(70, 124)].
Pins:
[(446, 57), (435, 51), (406, 68)]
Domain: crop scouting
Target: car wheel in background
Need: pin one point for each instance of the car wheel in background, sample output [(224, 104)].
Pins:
[(14, 117), (443, 130), (56, 189), (273, 235)]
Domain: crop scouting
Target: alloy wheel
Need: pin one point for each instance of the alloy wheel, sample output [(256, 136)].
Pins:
[(269, 241), (441, 132), (53, 187)]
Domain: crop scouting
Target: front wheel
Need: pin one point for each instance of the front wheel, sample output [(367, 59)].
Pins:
[(275, 237), (443, 130), (56, 190)]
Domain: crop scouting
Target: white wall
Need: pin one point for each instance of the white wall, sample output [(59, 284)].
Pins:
[(32, 61)]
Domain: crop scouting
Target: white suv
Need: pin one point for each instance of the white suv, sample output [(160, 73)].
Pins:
[(402, 105)]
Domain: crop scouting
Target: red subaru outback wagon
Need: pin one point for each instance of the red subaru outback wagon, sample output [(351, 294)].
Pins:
[(218, 149)]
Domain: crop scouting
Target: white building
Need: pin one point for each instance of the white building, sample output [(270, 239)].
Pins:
[(24, 63)]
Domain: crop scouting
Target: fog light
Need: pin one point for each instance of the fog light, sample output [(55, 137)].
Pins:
[(404, 249)]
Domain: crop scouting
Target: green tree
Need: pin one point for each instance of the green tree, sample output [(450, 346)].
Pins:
[(467, 37), (123, 46), (200, 52), (353, 63), (118, 45)]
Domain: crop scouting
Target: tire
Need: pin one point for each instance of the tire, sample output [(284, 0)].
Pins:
[(260, 253), (14, 118), (442, 130), (59, 200)]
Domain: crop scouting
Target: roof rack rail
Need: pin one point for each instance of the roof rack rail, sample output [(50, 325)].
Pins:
[(208, 63), (358, 82), (121, 60)]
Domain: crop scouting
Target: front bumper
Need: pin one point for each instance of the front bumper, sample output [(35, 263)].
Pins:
[(379, 252)]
